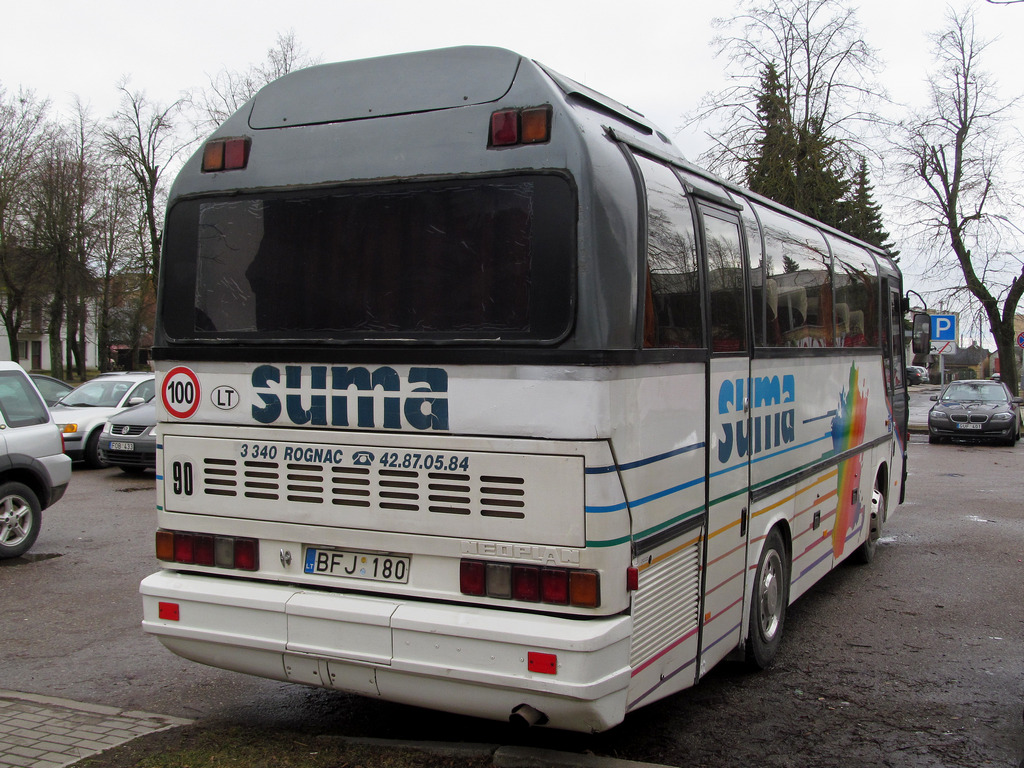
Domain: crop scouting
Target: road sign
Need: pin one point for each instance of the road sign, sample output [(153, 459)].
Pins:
[(1020, 340), (944, 328), (943, 347)]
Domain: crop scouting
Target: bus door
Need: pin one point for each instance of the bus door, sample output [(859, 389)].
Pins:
[(728, 447), (895, 377)]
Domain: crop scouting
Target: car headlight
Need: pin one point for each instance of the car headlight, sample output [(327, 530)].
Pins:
[(106, 429), (1002, 417), (68, 429), (938, 416)]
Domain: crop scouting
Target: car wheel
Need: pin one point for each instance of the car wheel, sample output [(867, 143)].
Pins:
[(20, 518), (934, 439), (865, 553), (92, 452), (770, 600)]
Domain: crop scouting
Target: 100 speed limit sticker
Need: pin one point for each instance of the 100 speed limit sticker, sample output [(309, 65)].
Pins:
[(181, 392)]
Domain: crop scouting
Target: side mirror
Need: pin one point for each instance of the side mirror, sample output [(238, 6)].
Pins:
[(135, 401), (921, 340), (934, 397)]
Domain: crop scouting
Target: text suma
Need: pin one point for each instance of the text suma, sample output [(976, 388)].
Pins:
[(323, 395), (772, 424)]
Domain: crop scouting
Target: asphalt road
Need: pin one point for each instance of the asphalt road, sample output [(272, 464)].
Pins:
[(916, 660)]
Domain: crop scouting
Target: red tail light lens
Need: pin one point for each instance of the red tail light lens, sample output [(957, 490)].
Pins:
[(202, 550), (554, 586), (526, 583), (471, 578), (505, 128), (246, 555), (183, 552)]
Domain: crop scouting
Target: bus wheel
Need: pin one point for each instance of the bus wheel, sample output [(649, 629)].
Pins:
[(771, 597), (865, 553)]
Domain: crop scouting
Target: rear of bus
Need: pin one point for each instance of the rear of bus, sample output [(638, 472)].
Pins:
[(391, 291)]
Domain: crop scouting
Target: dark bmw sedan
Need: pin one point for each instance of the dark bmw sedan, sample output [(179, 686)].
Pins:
[(975, 410)]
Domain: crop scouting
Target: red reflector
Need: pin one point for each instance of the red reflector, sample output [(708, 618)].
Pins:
[(554, 586), (471, 577), (246, 555), (183, 552), (168, 611), (505, 128), (526, 583), (545, 663), (236, 154), (632, 579)]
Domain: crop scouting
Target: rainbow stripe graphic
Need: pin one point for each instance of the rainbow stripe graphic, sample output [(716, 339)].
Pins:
[(848, 432)]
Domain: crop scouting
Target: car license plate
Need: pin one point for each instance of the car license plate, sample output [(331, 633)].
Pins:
[(968, 426), (374, 566), (122, 446)]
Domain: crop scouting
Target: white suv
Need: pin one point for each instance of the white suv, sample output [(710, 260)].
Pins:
[(81, 413), (34, 472)]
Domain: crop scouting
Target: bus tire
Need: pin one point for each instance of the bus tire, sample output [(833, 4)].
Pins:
[(865, 553), (770, 600)]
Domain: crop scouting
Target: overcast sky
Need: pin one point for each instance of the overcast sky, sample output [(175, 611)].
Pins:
[(653, 55)]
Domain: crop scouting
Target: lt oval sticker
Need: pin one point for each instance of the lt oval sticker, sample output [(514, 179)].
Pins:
[(224, 398)]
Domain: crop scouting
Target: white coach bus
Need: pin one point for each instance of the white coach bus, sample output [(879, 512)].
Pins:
[(475, 395)]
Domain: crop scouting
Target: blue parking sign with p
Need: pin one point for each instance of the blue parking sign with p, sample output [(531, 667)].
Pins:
[(943, 327)]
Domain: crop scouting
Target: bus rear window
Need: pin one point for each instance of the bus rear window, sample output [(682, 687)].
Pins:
[(471, 260)]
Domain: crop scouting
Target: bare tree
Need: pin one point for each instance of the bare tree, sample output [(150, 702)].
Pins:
[(22, 132), (954, 167), (141, 137), (826, 73), (228, 90)]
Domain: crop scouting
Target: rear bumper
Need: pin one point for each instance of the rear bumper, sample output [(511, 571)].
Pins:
[(461, 659)]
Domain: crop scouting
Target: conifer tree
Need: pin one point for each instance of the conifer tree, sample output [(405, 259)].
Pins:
[(863, 216), (772, 171)]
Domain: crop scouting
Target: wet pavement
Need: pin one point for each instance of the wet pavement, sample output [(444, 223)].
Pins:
[(47, 732)]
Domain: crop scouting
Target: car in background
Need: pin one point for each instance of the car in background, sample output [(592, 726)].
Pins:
[(975, 409), (34, 471), (128, 439), (917, 374), (82, 413), (50, 388)]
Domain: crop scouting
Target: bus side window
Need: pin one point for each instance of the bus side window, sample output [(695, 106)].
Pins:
[(672, 311), (725, 283)]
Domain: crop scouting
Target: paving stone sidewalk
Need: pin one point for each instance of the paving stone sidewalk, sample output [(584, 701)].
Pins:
[(47, 732)]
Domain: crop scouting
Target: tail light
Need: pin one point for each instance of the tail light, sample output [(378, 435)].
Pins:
[(512, 127), (530, 584), (226, 155), (203, 549)]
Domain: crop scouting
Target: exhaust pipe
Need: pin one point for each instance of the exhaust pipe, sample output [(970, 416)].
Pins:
[(524, 716)]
